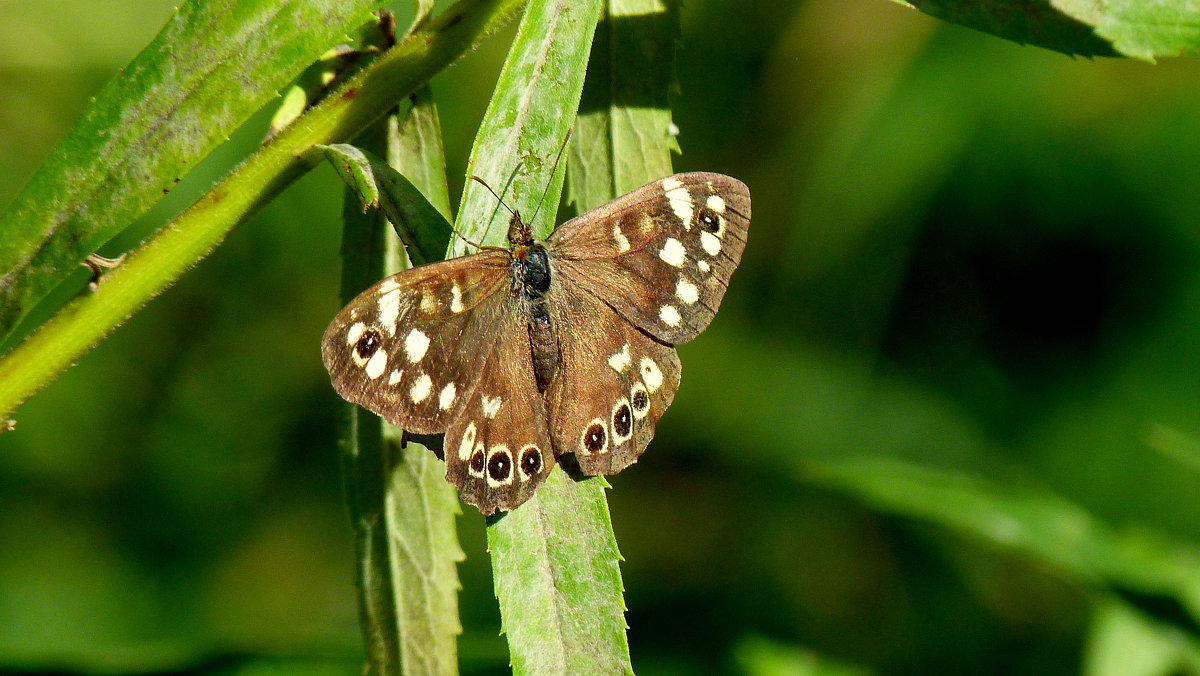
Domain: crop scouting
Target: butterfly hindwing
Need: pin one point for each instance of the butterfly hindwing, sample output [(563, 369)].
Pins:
[(498, 447), (612, 385), (661, 255), (406, 347)]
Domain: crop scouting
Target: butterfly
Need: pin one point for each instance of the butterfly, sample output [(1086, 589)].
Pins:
[(566, 346)]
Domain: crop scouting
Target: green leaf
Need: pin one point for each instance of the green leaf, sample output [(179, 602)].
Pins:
[(1034, 522), (401, 507), (554, 559), (422, 228), (163, 113), (622, 136), (1135, 28), (555, 565), (154, 265), (526, 121)]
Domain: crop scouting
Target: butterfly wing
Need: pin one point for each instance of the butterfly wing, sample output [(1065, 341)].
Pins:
[(498, 447), (612, 384), (406, 347), (445, 348), (661, 255)]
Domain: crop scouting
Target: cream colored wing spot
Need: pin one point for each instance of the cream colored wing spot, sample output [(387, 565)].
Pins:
[(446, 397), (468, 443), (716, 203), (681, 203), (620, 361), (491, 405), (421, 389), (377, 364), (355, 332), (710, 243), (704, 266), (456, 305), (669, 315), (395, 376), (416, 344), (389, 311), (687, 292), (620, 238), (651, 374), (673, 253)]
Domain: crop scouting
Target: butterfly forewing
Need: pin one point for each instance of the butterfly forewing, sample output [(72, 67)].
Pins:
[(406, 347), (612, 385), (661, 255)]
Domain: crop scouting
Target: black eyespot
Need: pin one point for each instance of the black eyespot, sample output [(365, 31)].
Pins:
[(367, 344), (641, 400), (499, 466), (594, 438), (622, 420), (709, 220), (531, 461), (477, 462)]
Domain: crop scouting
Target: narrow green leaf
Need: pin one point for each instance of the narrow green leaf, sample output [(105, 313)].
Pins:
[(155, 120), (1037, 523), (1123, 642), (154, 265), (623, 136), (555, 560), (422, 228), (528, 117), (1135, 28)]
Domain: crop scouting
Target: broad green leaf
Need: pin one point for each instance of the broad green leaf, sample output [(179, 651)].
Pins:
[(422, 228), (555, 565), (402, 509), (155, 264), (1123, 642), (1134, 28), (156, 119), (622, 136)]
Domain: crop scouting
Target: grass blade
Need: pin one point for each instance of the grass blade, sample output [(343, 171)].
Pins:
[(161, 115), (164, 257)]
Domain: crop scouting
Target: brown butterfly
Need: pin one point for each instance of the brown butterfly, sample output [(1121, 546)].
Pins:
[(565, 346)]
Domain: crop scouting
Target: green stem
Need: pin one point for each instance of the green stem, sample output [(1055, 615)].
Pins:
[(151, 268)]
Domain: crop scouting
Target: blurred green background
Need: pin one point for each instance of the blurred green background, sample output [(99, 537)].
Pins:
[(969, 258)]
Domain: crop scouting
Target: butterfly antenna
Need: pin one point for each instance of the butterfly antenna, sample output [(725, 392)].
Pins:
[(483, 183), (553, 169)]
